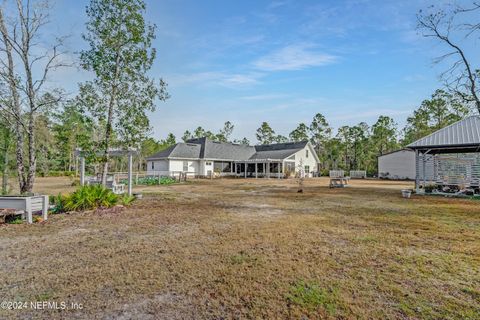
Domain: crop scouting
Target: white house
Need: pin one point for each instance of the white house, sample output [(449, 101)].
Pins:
[(398, 164), (203, 157)]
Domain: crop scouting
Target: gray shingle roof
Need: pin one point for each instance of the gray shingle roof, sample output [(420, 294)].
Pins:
[(203, 148), (281, 146), (274, 154), (179, 150), (465, 132), (223, 150)]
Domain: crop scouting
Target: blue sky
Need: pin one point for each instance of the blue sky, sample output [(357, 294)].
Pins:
[(278, 61)]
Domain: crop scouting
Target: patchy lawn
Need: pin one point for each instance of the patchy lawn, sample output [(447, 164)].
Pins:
[(253, 249)]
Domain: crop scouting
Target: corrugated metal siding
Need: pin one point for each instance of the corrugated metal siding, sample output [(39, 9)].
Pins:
[(463, 132)]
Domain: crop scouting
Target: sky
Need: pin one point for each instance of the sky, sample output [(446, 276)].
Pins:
[(280, 61)]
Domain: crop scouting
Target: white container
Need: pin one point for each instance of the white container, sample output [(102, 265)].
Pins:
[(406, 193)]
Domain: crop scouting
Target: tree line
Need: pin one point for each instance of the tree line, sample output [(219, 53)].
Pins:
[(349, 147)]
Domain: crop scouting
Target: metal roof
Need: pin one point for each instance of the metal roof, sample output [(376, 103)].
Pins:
[(463, 133)]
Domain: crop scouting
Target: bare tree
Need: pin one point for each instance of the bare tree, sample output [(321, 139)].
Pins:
[(25, 66), (445, 25)]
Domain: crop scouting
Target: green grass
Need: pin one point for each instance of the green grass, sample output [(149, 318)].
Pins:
[(311, 296)]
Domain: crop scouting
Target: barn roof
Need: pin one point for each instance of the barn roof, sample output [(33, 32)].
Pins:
[(464, 133)]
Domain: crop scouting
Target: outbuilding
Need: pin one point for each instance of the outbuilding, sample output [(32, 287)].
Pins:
[(397, 165), (449, 159)]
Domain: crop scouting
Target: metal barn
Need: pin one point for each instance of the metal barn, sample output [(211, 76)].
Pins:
[(448, 160)]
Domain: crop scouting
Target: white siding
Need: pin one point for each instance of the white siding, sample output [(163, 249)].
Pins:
[(158, 165), (397, 165), (208, 167), (301, 158), (177, 165)]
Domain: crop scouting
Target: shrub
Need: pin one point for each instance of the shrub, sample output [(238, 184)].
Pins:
[(90, 197), (15, 220), (57, 174), (127, 200), (58, 203), (166, 180), (430, 187), (151, 181)]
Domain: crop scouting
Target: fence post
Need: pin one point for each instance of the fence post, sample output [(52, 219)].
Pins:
[(130, 168)]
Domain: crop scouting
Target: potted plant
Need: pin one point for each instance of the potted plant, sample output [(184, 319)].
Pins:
[(429, 188)]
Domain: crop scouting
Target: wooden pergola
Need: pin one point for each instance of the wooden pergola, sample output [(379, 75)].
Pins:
[(114, 153)]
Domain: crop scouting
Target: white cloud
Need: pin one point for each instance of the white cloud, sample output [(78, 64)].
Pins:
[(261, 97), (215, 78), (360, 115), (293, 57)]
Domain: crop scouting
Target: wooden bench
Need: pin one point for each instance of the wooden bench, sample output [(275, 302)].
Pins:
[(358, 174)]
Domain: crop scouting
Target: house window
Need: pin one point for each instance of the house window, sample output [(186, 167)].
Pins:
[(185, 166), (307, 169), (153, 165), (306, 153)]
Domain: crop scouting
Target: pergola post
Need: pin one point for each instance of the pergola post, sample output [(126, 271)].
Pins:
[(130, 169), (82, 171)]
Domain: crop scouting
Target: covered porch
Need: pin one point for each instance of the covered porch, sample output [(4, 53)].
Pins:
[(266, 168)]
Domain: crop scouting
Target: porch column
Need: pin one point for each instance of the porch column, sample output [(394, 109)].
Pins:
[(256, 170), (417, 173), (264, 170), (278, 170), (245, 169), (424, 173), (231, 166), (130, 169), (82, 171), (268, 169)]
